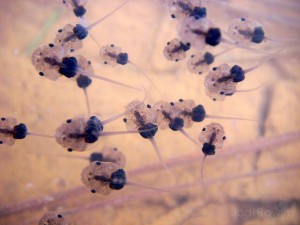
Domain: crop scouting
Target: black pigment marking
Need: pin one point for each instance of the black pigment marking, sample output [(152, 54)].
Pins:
[(185, 7), (101, 179), (198, 32), (246, 33), (75, 3), (112, 55), (139, 119), (212, 138), (70, 37), (52, 61), (167, 115), (6, 131), (225, 78), (181, 47)]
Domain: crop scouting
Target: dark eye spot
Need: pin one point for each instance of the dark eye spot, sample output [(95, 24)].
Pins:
[(70, 149)]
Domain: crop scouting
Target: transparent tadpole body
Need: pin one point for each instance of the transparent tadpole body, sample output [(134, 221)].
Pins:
[(137, 114), (97, 176), (113, 155), (180, 9), (175, 50), (212, 134), (166, 113), (6, 126), (77, 133), (219, 83), (53, 219), (194, 31), (46, 61), (185, 109), (66, 38), (245, 31)]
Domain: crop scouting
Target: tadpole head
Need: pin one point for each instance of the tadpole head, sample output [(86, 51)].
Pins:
[(199, 12), (148, 130), (238, 73), (117, 180), (93, 130), (208, 149), (198, 113), (83, 81), (69, 67), (122, 58), (213, 36), (209, 58), (80, 31), (20, 131), (96, 156), (79, 11), (185, 47), (258, 35), (176, 124)]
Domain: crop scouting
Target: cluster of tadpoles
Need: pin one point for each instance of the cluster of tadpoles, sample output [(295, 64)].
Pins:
[(59, 59), (196, 30)]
